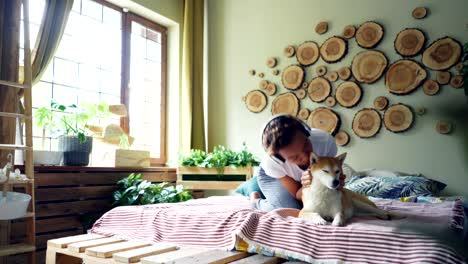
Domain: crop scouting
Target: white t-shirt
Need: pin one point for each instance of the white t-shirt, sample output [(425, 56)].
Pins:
[(323, 145)]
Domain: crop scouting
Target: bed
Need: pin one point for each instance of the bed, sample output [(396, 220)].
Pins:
[(229, 223)]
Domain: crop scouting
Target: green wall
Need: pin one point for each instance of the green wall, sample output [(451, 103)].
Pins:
[(242, 34), (172, 9)]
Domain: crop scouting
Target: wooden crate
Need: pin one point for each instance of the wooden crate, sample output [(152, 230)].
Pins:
[(211, 178), (91, 248)]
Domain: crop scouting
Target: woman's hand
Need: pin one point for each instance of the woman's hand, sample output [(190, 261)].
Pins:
[(306, 178)]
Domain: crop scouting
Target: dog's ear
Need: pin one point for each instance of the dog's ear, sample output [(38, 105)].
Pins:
[(341, 157), (313, 158)]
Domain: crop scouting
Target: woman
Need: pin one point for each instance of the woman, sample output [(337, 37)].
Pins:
[(288, 142)]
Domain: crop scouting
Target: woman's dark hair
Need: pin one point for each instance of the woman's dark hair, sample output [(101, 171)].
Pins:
[(280, 131)]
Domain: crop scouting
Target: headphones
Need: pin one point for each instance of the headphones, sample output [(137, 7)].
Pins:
[(304, 128)]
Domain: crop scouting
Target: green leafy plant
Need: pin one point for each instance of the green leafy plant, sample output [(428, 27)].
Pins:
[(219, 158), (71, 119), (133, 190)]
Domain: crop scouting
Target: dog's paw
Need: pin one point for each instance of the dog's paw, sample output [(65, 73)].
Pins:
[(338, 221), (318, 220)]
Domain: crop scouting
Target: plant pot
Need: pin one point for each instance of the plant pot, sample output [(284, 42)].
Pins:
[(45, 157), (74, 152)]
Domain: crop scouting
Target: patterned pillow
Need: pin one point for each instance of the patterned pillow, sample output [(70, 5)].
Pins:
[(393, 187)]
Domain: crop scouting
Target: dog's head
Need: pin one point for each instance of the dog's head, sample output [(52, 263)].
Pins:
[(327, 170)]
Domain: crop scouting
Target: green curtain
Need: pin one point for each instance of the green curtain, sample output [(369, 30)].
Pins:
[(192, 123), (52, 27)]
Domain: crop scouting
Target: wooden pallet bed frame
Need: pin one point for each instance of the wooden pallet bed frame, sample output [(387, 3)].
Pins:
[(92, 248)]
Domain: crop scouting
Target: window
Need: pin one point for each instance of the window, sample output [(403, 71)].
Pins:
[(107, 55)]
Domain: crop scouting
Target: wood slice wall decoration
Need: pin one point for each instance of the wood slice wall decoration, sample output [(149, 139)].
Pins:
[(271, 62), (292, 77), (380, 102), (319, 89), (349, 31), (398, 118), (333, 49), (369, 34), (321, 70), (289, 51), (324, 119), (344, 73), (442, 54), (368, 66), (285, 103), (348, 94), (307, 53), (342, 138), (443, 77), (301, 93), (330, 101), (443, 127), (457, 81), (270, 89), (303, 114), (404, 76), (255, 101), (419, 12), (409, 42), (367, 123), (321, 28), (431, 87)]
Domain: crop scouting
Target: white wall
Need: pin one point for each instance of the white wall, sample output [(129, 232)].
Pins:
[(242, 34)]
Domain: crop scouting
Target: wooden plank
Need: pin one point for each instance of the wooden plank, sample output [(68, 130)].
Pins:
[(56, 224), (215, 256), (14, 147), (13, 249), (65, 241), (74, 193), (172, 256), (135, 255), (78, 207), (12, 84), (259, 259), (82, 246), (101, 178), (108, 250), (226, 171), (210, 185), (41, 240)]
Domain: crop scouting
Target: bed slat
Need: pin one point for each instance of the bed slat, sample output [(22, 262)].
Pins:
[(108, 250), (170, 257), (65, 241), (258, 259), (82, 246), (135, 255), (215, 256)]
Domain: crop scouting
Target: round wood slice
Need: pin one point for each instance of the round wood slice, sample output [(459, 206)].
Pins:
[(443, 77), (420, 110), (380, 102), (419, 12), (270, 89), (303, 114), (321, 70), (367, 123), (349, 31), (324, 119), (409, 42), (307, 53), (252, 72), (301, 93), (285, 103), (332, 76), (342, 138), (348, 94), (443, 127), (275, 72), (344, 73), (261, 74), (333, 49), (292, 77), (330, 101), (305, 85), (321, 27), (263, 84), (255, 101), (271, 62), (459, 67), (404, 76), (431, 87), (398, 118), (456, 81), (442, 54), (319, 89), (368, 66), (369, 34), (289, 51)]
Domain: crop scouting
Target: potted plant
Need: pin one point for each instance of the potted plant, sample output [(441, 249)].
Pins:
[(72, 122), (222, 169), (46, 121)]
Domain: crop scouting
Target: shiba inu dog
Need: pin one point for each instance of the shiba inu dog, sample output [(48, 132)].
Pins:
[(324, 200)]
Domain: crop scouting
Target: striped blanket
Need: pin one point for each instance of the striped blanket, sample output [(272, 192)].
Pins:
[(228, 222)]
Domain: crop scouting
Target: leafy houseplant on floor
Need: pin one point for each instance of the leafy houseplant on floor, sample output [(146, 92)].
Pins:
[(222, 169)]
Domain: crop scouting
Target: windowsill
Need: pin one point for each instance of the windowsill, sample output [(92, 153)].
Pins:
[(99, 169)]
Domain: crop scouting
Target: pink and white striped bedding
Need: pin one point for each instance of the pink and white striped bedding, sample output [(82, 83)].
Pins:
[(228, 222)]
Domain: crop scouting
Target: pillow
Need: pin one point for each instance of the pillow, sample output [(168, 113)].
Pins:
[(249, 186), (393, 187)]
